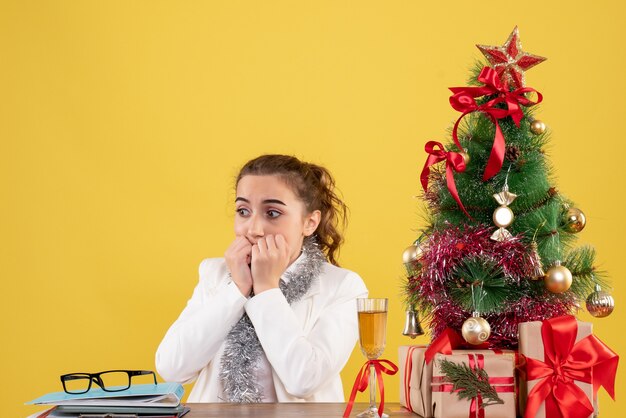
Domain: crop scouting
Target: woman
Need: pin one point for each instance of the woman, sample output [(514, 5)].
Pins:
[(275, 319)]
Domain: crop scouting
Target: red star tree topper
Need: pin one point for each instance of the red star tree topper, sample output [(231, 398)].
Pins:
[(509, 60)]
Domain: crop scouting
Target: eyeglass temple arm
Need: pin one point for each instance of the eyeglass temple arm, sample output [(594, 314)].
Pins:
[(67, 377), (143, 372)]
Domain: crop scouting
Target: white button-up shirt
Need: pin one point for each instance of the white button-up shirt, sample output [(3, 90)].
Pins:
[(306, 344)]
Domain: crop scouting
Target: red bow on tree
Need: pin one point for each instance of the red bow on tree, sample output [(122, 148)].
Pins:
[(464, 101), (589, 360), (454, 161)]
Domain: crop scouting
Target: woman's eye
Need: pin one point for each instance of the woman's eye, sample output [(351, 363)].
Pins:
[(243, 212), (273, 213)]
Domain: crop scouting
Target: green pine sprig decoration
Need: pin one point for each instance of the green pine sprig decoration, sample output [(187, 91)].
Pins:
[(480, 286), (470, 382)]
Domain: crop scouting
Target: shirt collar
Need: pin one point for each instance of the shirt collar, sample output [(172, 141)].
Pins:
[(293, 267)]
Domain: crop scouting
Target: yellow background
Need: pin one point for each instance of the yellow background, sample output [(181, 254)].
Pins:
[(122, 125)]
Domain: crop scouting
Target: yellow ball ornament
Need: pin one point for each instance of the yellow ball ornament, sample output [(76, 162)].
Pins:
[(558, 278), (537, 127), (466, 157), (412, 253), (476, 330), (575, 220)]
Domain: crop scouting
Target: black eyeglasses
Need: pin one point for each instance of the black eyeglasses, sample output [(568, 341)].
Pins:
[(109, 381)]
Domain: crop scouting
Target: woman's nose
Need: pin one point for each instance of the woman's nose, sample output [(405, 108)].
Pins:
[(255, 227)]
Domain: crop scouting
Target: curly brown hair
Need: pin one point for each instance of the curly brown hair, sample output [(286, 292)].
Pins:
[(315, 186)]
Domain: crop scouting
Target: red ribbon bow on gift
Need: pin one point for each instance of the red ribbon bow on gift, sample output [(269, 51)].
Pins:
[(464, 101), (445, 342), (449, 340), (454, 161), (589, 360), (362, 380)]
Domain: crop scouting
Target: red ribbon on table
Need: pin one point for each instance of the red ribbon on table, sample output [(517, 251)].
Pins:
[(362, 381), (476, 405), (454, 161), (589, 360), (464, 101)]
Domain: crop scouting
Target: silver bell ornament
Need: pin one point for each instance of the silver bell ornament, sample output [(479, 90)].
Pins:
[(412, 327)]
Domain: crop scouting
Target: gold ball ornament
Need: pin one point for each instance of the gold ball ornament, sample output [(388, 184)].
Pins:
[(574, 220), (466, 157), (558, 278), (600, 303), (412, 253), (476, 330), (503, 216), (537, 127)]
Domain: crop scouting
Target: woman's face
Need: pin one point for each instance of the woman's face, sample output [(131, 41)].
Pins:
[(266, 205)]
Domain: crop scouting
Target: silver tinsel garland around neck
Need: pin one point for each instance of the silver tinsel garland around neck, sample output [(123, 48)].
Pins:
[(243, 349)]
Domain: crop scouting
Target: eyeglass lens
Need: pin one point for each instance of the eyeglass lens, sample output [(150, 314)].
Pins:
[(115, 380), (76, 383)]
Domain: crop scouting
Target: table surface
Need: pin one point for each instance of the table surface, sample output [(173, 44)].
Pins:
[(286, 410)]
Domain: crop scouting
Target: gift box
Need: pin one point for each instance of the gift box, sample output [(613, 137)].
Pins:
[(500, 368), (416, 376), (565, 366)]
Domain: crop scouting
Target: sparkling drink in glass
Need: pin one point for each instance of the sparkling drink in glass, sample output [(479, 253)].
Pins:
[(372, 335)]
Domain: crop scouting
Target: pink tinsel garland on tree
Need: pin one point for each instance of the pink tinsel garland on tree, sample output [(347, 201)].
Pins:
[(447, 248)]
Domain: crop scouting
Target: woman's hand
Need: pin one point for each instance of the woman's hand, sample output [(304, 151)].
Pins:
[(238, 258), (270, 259)]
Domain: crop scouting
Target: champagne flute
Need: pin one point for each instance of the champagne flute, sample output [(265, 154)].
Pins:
[(372, 335)]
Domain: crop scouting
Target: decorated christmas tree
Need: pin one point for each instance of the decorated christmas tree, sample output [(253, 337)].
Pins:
[(499, 246)]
